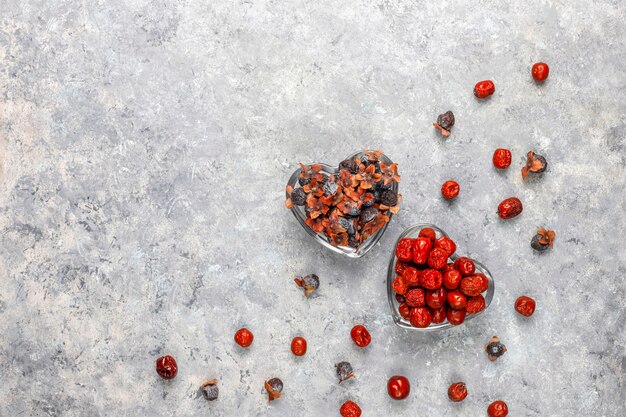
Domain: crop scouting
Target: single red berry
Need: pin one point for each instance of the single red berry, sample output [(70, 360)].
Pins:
[(448, 267), (360, 335), (398, 387), (439, 315), (525, 306), (421, 249), (484, 282), (540, 71), (411, 276), (475, 304), (350, 409), (471, 286), (420, 317), (404, 250), (497, 409), (484, 89), (457, 392), (509, 208), (456, 300), (456, 317), (416, 297), (400, 267), (244, 337), (502, 158), (436, 298), (452, 279), (450, 189), (465, 266), (399, 286), (298, 346), (447, 244), (437, 258), (404, 310), (166, 367), (431, 279), (428, 233)]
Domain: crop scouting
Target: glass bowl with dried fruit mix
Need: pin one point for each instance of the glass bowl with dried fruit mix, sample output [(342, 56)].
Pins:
[(346, 208), (430, 287)]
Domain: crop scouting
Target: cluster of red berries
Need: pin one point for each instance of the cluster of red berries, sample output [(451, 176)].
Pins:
[(428, 288)]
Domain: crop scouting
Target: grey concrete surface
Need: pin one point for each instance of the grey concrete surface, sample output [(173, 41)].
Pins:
[(144, 150)]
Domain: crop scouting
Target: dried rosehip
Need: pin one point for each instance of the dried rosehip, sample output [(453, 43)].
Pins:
[(416, 297), (502, 158), (350, 409), (209, 390), (457, 392), (447, 244), (450, 189), (444, 123), (542, 241), (360, 335), (534, 163), (475, 304), (525, 306), (274, 387), (509, 208), (404, 250), (421, 249), (436, 298), (298, 346), (298, 197), (437, 258), (420, 317), (244, 337), (494, 348), (399, 286), (452, 279), (404, 310), (398, 387), (411, 276), (428, 233), (431, 279), (498, 409), (456, 317), (456, 300), (471, 286), (310, 283), (540, 71), (166, 367), (438, 315), (484, 89), (350, 165), (465, 266), (344, 371)]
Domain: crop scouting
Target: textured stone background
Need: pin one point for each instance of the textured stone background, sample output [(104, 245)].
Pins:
[(144, 150)]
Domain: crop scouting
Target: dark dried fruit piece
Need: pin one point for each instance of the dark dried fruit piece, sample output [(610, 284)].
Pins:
[(444, 123), (344, 371), (350, 409), (534, 163), (542, 240), (350, 165), (369, 214), (310, 283), (166, 367), (274, 387), (457, 391), (209, 390), (494, 348)]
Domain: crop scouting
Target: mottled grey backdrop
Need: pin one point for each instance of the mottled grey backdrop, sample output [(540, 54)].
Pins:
[(144, 150)]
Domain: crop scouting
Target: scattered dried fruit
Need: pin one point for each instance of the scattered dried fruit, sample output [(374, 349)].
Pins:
[(535, 163), (361, 336), (244, 337), (494, 348), (502, 158), (543, 240), (310, 283), (444, 123), (298, 346), (350, 409), (166, 367), (484, 89), (274, 387), (497, 409), (398, 387), (450, 189), (525, 306), (209, 390), (509, 208), (457, 392), (540, 71), (344, 371)]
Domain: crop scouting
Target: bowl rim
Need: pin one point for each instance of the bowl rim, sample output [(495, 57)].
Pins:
[(321, 238), (391, 275)]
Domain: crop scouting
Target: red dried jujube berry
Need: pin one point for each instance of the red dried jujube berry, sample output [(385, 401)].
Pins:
[(404, 310), (450, 189), (166, 367), (471, 286), (420, 317), (399, 286), (436, 298), (457, 391), (439, 315), (456, 317), (428, 233), (421, 249), (360, 336), (484, 89), (525, 306), (452, 279), (404, 250), (447, 244), (509, 208), (416, 297), (465, 266), (475, 304), (411, 276), (540, 71), (502, 158), (498, 409), (298, 346), (244, 337), (438, 258), (456, 300), (431, 279), (350, 409)]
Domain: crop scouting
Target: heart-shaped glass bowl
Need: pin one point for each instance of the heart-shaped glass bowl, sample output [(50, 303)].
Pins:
[(413, 232), (321, 238)]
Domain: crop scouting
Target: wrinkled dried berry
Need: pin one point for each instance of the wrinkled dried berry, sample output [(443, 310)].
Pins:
[(502, 158), (439, 314), (360, 336), (534, 163), (540, 71), (166, 367), (456, 317), (542, 240), (444, 123), (416, 297), (475, 304), (498, 409), (330, 188), (350, 409), (456, 300), (274, 387), (244, 337), (411, 276), (510, 208), (398, 387), (450, 189), (420, 317), (310, 283), (525, 306), (494, 348), (368, 214), (389, 198), (421, 250), (298, 197), (344, 371), (457, 391), (209, 390), (350, 165), (298, 346)]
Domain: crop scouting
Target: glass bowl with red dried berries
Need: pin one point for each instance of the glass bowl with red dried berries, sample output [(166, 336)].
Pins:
[(346, 208), (429, 286)]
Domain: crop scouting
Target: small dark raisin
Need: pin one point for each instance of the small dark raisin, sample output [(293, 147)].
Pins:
[(353, 242), (446, 120), (298, 197), (368, 214), (344, 371), (350, 165), (330, 188), (347, 224), (209, 390), (494, 348), (389, 198)]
